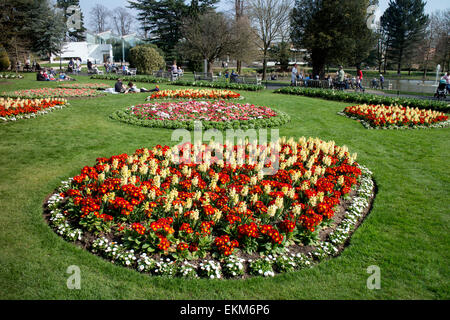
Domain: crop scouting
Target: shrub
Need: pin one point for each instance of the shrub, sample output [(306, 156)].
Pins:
[(146, 59), (4, 60)]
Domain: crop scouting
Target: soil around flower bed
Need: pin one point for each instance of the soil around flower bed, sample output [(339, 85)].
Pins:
[(340, 214)]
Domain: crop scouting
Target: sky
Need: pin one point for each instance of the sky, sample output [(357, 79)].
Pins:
[(86, 5)]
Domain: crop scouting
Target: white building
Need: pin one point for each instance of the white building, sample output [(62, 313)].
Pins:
[(96, 53)]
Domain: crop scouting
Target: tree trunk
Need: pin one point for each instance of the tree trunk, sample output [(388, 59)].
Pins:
[(264, 68), (238, 66), (399, 67), (318, 64), (210, 65)]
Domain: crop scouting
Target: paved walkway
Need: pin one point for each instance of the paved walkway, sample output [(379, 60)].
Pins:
[(380, 93)]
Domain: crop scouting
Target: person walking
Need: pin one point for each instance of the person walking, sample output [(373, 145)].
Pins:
[(294, 73), (381, 81), (359, 78), (341, 78)]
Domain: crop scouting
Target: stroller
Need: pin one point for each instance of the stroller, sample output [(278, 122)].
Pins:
[(441, 91)]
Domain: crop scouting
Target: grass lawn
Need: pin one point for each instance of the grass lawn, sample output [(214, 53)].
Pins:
[(407, 233)]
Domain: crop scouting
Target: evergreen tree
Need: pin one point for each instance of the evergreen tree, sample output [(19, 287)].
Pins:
[(49, 30), (75, 34), (30, 26), (333, 31), (404, 22)]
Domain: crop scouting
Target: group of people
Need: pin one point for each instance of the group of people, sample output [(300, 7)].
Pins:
[(233, 76), (92, 68), (50, 75), (119, 87), (340, 81), (175, 71), (74, 65)]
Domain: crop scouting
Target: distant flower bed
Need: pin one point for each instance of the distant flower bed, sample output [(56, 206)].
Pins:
[(53, 92), (218, 85), (84, 85), (138, 78), (213, 114), (11, 76), (381, 116), (352, 97), (194, 94), (14, 109), (211, 218)]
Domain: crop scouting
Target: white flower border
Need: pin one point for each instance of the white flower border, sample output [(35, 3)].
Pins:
[(34, 115), (367, 125), (212, 269)]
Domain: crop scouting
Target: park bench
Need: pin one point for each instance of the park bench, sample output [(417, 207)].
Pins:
[(208, 76), (251, 80)]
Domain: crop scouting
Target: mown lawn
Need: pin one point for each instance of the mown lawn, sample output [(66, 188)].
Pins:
[(406, 234)]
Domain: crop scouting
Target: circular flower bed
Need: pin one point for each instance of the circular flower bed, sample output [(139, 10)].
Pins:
[(213, 114), (84, 85), (14, 109), (53, 92), (152, 212), (394, 117), (194, 94)]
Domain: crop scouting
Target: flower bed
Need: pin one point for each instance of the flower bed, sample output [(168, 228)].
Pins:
[(125, 79), (392, 117), (151, 213), (84, 85), (14, 109), (218, 85), (337, 95), (194, 94), (11, 76), (53, 92), (213, 114)]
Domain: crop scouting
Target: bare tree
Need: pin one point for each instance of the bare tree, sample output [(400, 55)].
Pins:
[(209, 35), (123, 21), (271, 19), (442, 45), (99, 17), (245, 39)]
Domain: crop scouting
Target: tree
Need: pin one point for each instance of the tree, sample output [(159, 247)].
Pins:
[(15, 28), (123, 21), (333, 31), (239, 16), (270, 18), (245, 40), (281, 52), (161, 20), (49, 30), (76, 33), (99, 18), (209, 35), (28, 25), (405, 23), (442, 43)]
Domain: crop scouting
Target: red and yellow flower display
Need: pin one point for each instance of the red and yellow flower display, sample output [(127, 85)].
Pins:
[(152, 202), (53, 92), (400, 116), (15, 108), (194, 94), (84, 85), (217, 111)]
